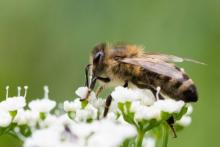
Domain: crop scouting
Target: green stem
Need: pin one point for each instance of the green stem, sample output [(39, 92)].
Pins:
[(140, 138), (165, 135)]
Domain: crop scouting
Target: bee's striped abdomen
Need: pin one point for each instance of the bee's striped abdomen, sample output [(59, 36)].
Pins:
[(188, 91), (181, 89)]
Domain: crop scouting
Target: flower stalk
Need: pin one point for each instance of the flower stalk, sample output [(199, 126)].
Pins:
[(165, 135), (140, 137)]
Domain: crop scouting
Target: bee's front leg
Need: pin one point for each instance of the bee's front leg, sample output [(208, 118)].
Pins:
[(87, 75), (109, 100), (100, 89)]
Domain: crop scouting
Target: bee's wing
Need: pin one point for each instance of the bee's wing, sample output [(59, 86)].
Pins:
[(155, 65), (170, 58)]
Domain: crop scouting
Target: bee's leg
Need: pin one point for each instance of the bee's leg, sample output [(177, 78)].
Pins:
[(126, 84), (107, 105), (109, 100), (87, 75), (171, 122), (104, 80), (100, 89)]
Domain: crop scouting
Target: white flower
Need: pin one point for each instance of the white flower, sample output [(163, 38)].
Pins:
[(89, 112), (189, 109), (26, 117), (111, 116), (97, 102), (49, 138), (104, 133), (42, 105), (184, 121), (21, 117), (169, 105), (72, 106), (83, 91), (53, 133), (121, 94), (147, 113), (149, 142), (115, 136), (135, 106), (49, 121), (5, 118), (13, 103)]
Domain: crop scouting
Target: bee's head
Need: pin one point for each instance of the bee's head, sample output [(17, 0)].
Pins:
[(97, 59)]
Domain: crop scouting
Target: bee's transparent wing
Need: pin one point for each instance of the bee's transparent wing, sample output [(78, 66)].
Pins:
[(170, 58), (156, 66)]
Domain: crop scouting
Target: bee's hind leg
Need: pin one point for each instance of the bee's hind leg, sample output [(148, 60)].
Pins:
[(171, 122), (109, 100)]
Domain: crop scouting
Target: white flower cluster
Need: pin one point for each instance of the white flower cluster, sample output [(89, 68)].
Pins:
[(84, 111), (132, 112), (144, 105), (63, 132), (13, 112)]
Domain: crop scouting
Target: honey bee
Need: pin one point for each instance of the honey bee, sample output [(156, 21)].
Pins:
[(129, 65)]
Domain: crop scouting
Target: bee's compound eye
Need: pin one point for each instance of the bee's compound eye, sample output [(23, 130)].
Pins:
[(98, 57)]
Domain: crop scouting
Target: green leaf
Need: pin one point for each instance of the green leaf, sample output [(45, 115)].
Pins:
[(13, 113), (178, 127), (25, 130), (84, 104), (71, 115), (42, 116), (181, 113), (7, 129), (129, 142), (89, 120), (165, 115), (121, 107), (128, 106), (2, 130), (117, 115), (152, 123)]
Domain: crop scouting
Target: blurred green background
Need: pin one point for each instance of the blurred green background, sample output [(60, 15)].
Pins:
[(49, 41)]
